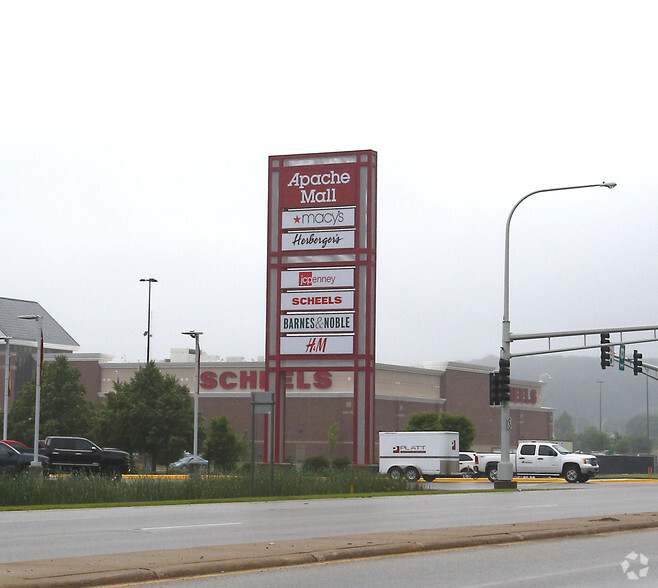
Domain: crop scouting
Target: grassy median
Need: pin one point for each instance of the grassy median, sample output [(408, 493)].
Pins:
[(25, 491)]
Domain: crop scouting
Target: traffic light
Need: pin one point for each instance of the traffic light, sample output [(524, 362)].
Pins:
[(494, 391), (637, 362), (504, 380), (605, 350)]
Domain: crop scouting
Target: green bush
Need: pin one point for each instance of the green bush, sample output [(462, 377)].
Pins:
[(316, 463), (340, 463)]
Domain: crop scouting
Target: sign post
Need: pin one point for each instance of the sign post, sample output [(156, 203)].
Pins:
[(261, 403)]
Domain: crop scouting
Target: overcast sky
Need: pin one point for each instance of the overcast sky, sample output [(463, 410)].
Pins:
[(134, 139)]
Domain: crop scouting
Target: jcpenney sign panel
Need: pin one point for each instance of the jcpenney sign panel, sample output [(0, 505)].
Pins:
[(318, 278)]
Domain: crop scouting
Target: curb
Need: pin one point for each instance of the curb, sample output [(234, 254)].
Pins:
[(125, 568)]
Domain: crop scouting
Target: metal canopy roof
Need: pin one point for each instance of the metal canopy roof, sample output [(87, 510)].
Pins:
[(25, 332)]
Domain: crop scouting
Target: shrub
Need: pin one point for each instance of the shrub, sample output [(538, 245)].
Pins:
[(316, 463), (340, 463)]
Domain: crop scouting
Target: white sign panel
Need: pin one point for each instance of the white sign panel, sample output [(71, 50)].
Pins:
[(319, 240), (320, 218), (318, 278), (317, 300), (313, 345), (305, 323)]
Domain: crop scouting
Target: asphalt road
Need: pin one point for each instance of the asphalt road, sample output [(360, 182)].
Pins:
[(75, 532), (612, 560), (90, 535)]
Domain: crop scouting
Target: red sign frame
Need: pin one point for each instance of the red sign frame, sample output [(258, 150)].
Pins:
[(335, 185)]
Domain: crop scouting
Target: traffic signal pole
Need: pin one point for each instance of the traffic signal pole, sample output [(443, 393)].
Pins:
[(505, 467)]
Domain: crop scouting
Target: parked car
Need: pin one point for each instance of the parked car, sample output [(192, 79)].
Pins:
[(187, 461), (17, 445), (77, 454), (13, 461), (469, 464)]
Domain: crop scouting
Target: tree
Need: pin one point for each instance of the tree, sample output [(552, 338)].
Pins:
[(637, 426), (423, 421), (152, 413), (332, 438), (463, 425), (65, 409), (592, 440), (223, 446), (432, 421), (564, 427)]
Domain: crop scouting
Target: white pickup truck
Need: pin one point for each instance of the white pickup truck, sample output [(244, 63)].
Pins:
[(543, 458)]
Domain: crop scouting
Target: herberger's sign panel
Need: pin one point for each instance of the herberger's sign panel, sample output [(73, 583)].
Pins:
[(324, 185), (322, 240), (337, 344), (318, 278)]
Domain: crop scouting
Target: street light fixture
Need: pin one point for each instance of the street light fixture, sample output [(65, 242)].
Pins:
[(35, 465), (195, 335), (7, 368), (505, 468), (148, 321)]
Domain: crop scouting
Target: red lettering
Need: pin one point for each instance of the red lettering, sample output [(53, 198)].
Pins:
[(263, 380), (208, 380), (533, 396), (223, 380), (311, 300), (322, 380), (289, 384), (248, 380), (301, 385)]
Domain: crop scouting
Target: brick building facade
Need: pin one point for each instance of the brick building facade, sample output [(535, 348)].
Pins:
[(316, 400)]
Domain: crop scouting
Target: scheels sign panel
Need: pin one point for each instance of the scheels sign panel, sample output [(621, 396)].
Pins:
[(318, 300)]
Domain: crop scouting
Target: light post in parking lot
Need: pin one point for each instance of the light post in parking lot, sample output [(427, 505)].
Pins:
[(35, 465), (148, 320), (505, 468), (7, 368), (195, 335)]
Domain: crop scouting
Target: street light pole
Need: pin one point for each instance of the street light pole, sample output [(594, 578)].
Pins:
[(195, 335), (7, 368), (505, 468), (37, 403), (148, 321), (600, 383)]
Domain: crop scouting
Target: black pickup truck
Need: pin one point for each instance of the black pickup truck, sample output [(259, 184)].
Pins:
[(76, 454)]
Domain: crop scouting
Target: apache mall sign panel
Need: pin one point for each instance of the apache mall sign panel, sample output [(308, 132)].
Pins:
[(321, 278)]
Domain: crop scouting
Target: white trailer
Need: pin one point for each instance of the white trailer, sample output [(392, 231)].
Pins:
[(416, 454)]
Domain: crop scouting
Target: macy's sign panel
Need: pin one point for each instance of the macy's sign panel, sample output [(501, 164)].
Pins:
[(257, 380)]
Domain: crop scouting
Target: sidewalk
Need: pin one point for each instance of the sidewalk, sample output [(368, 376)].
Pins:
[(124, 568)]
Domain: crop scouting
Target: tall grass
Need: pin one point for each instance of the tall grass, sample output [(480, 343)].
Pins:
[(25, 491)]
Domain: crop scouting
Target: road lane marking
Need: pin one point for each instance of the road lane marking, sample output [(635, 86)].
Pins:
[(187, 526)]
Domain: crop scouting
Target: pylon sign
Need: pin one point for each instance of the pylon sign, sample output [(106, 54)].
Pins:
[(321, 278)]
